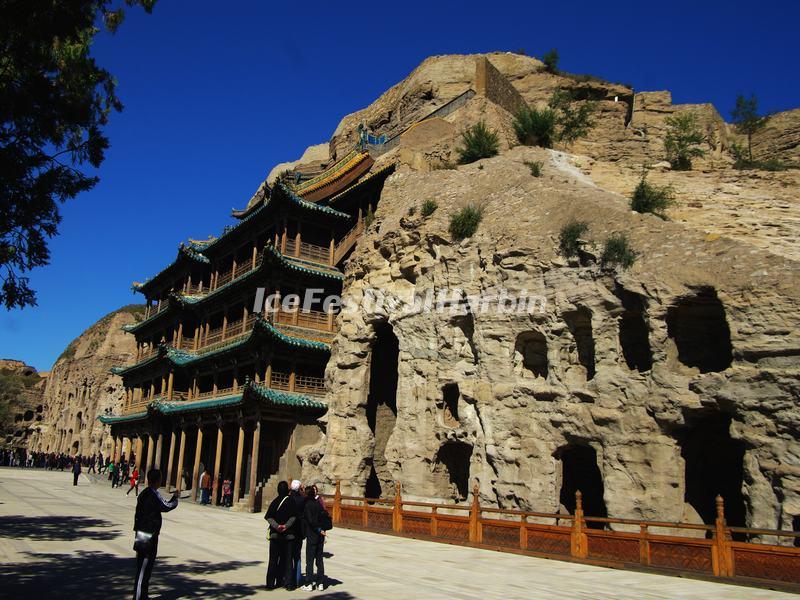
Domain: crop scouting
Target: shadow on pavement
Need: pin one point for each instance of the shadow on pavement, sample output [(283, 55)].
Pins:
[(57, 528), (99, 575)]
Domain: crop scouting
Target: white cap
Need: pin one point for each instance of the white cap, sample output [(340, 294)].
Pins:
[(295, 484)]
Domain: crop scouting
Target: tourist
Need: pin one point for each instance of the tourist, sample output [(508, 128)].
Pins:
[(314, 531), (227, 493), (134, 482), (298, 496), (281, 516), (147, 525), (205, 487), (76, 471)]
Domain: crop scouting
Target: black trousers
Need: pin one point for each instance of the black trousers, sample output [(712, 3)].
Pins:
[(75, 478), (314, 549), (279, 567), (144, 566)]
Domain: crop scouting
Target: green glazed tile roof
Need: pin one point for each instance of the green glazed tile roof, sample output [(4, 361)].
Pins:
[(110, 419), (188, 252), (168, 408), (281, 398)]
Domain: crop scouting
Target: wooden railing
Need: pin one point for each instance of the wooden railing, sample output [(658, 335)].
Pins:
[(303, 384), (147, 353), (706, 550), (154, 309), (196, 289), (221, 336), (234, 273), (309, 252), (228, 391), (312, 319), (347, 241)]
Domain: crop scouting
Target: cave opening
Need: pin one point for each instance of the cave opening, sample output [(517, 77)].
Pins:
[(634, 332), (382, 399), (580, 324), (373, 489), (450, 395), (579, 471), (452, 463), (699, 328), (714, 465), (531, 350)]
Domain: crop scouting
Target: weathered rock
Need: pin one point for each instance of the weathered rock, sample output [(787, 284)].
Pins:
[(80, 387), (780, 138), (21, 405)]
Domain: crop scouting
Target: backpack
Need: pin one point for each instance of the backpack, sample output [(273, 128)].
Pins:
[(325, 521)]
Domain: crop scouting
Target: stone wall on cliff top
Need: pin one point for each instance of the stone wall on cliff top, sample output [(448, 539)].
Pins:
[(615, 366), (80, 387)]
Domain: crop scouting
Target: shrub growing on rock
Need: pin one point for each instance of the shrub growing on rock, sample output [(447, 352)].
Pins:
[(683, 139), (535, 127), (573, 121), (479, 142), (569, 236), (648, 198), (550, 60), (464, 223), (535, 166), (428, 208), (617, 250)]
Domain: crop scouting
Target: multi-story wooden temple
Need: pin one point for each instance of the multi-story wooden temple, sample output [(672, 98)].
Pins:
[(229, 370)]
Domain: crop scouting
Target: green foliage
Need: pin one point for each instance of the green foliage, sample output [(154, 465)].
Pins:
[(742, 161), (412, 210), (569, 236), (535, 166), (617, 250), (56, 102), (648, 198), (746, 119), (683, 139), (550, 60), (563, 120), (428, 208), (535, 127), (464, 223), (479, 142), (573, 121)]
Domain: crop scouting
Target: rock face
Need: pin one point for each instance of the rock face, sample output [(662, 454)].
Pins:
[(21, 389), (634, 385), (651, 389), (80, 388), (780, 138)]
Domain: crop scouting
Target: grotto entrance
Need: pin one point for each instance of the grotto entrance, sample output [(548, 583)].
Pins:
[(700, 330), (579, 471), (714, 465), (382, 404), (452, 469)]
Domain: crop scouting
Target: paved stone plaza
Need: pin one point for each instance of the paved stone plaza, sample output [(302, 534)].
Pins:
[(58, 541)]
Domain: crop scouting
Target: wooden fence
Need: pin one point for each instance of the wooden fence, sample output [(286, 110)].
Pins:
[(689, 549)]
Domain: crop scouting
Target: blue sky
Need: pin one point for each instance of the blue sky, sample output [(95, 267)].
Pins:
[(216, 93)]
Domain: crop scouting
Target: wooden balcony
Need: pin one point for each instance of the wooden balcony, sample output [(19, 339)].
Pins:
[(300, 384), (146, 353), (154, 309), (237, 271), (305, 251)]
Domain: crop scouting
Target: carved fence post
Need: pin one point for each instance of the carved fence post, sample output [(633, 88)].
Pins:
[(724, 563), (474, 516), (578, 542), (523, 532), (644, 545), (397, 512), (337, 503)]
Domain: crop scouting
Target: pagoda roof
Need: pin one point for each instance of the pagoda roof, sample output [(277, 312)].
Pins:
[(272, 255), (186, 254), (261, 329), (277, 399), (374, 176)]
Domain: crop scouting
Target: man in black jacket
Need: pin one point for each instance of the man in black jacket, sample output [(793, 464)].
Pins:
[(315, 541), (281, 516), (76, 470), (149, 507)]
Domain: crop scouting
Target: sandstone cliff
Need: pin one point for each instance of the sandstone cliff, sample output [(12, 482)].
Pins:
[(80, 388), (21, 389)]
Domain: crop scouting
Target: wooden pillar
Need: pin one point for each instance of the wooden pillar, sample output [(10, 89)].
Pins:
[(268, 373), (159, 449), (179, 341), (255, 255), (150, 452), (181, 454), (224, 323), (283, 238), (578, 541), (331, 251), (723, 566), (217, 465), (196, 468), (114, 452), (170, 382), (251, 499), (397, 512), (330, 319), (170, 458), (138, 452), (196, 336), (297, 241), (292, 376), (244, 319), (336, 515), (239, 451), (475, 515)]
